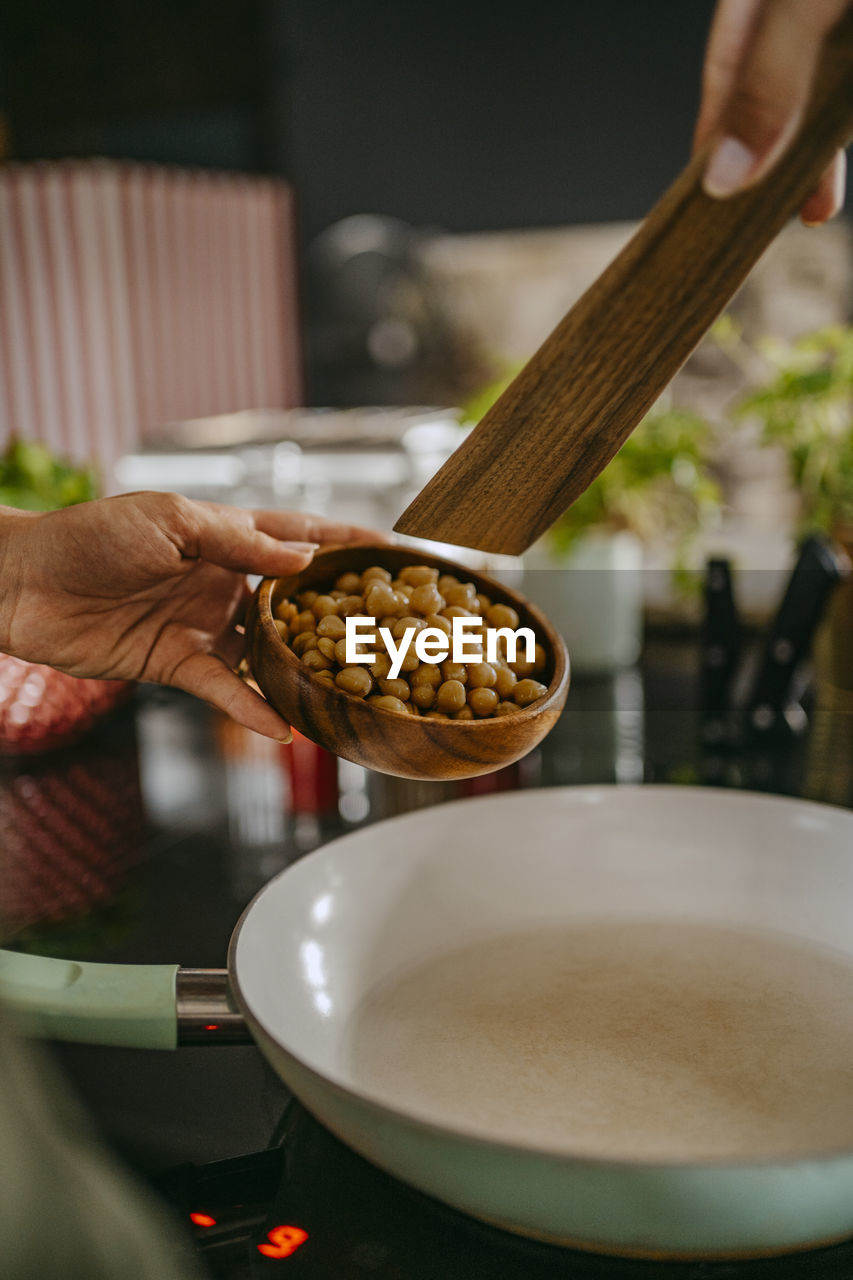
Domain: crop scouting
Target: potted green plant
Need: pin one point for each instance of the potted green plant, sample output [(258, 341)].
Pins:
[(586, 570), (804, 406)]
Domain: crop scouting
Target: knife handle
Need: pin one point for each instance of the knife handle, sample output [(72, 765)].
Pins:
[(816, 573), (721, 643)]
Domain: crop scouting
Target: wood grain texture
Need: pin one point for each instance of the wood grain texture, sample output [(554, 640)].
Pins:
[(402, 745), (577, 400)]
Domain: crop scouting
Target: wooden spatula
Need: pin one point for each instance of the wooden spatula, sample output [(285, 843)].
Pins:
[(576, 401)]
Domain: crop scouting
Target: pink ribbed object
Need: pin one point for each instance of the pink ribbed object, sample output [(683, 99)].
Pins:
[(42, 709), (132, 296)]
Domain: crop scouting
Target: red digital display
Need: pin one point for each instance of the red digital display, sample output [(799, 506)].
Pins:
[(212, 1026), (283, 1241), (202, 1220)]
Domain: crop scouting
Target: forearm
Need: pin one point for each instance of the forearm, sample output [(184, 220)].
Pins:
[(17, 565)]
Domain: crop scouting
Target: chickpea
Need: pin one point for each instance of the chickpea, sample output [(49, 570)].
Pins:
[(521, 666), (286, 611), (325, 677), (505, 679), (349, 583), (379, 599), (388, 703), (462, 593), (327, 647), (450, 696), (423, 696), (323, 606), (282, 628), (505, 709), (396, 689), (464, 713), (436, 620), (354, 680), (540, 659), (389, 621), (427, 599), (454, 671), (482, 701), (304, 621), (314, 660), (484, 602), (446, 580), (381, 666), (452, 611), (410, 660), (502, 615), (418, 575), (377, 572), (428, 673), (481, 675), (305, 599), (341, 653), (303, 642), (332, 626), (436, 715), (336, 594), (527, 691), (402, 625), (403, 589), (349, 606)]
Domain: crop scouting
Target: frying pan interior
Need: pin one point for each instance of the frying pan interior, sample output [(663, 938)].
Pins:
[(381, 900)]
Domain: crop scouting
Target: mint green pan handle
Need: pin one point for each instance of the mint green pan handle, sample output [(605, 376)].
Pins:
[(141, 1006)]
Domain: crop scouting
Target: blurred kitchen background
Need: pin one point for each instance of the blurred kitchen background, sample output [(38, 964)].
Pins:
[(281, 252)]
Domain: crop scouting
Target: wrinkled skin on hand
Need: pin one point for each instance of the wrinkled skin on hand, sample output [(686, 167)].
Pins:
[(150, 586)]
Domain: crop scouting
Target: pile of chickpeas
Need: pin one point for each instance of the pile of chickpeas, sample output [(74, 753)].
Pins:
[(314, 625)]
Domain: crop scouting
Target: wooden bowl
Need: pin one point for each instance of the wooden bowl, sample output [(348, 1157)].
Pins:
[(406, 746)]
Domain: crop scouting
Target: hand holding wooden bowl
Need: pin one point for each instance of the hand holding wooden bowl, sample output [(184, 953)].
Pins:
[(408, 746)]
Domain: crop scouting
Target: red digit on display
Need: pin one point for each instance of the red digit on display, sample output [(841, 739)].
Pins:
[(283, 1242)]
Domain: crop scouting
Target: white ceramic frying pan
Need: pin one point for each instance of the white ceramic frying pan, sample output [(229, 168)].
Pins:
[(640, 862)]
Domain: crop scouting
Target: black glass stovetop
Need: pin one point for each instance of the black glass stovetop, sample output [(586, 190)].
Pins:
[(310, 1201)]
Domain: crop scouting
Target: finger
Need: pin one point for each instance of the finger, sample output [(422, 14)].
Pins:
[(731, 30), (227, 537), (770, 91), (207, 676), (828, 197), (258, 541), (313, 528)]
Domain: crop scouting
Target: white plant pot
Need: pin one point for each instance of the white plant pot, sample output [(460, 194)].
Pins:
[(594, 596)]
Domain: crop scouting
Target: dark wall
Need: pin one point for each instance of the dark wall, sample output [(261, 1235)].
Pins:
[(479, 116), (462, 115), (179, 81)]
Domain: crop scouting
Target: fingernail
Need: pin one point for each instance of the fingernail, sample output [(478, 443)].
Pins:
[(728, 169), (285, 740), (302, 547)]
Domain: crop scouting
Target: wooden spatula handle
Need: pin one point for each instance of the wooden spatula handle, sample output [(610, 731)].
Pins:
[(586, 388)]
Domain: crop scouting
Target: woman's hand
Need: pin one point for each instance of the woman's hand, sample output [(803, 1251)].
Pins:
[(759, 67), (150, 586)]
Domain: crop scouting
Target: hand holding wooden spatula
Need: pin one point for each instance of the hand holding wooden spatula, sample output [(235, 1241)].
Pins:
[(575, 402)]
